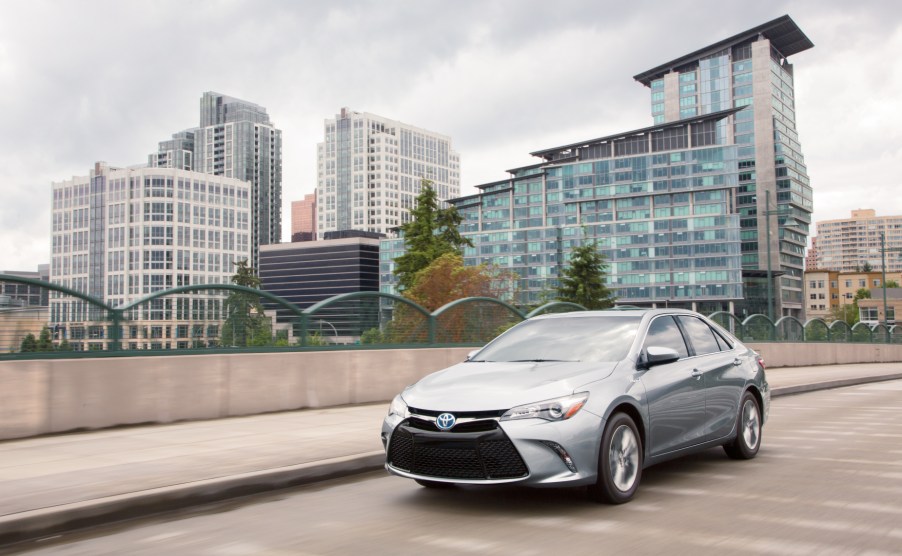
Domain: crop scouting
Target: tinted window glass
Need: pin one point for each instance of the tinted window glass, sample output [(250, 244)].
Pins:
[(664, 332), (700, 335), (564, 339), (725, 345)]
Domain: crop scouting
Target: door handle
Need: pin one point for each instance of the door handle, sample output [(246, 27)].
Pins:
[(696, 374)]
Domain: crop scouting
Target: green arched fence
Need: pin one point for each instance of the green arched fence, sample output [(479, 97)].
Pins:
[(227, 318)]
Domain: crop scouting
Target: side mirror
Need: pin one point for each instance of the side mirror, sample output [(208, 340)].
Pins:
[(656, 355), (471, 354)]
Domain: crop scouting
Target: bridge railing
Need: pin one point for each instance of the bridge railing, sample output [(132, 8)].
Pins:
[(231, 318)]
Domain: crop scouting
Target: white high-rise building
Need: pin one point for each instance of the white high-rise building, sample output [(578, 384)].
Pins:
[(121, 234), (370, 170), (851, 244)]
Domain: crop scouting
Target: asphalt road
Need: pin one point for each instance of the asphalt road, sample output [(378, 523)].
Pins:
[(828, 480)]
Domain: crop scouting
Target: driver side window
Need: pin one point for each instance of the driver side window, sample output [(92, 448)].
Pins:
[(664, 332)]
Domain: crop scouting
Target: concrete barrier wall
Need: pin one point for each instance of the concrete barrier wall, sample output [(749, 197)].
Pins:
[(49, 396), (57, 395)]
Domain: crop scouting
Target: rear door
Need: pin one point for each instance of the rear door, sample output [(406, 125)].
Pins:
[(723, 380), (676, 395)]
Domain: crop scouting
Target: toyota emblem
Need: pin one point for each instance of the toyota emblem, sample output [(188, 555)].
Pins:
[(445, 421)]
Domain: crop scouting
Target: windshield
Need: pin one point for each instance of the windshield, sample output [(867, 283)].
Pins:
[(602, 338)]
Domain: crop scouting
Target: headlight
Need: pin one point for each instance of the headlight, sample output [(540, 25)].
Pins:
[(558, 409), (398, 407)]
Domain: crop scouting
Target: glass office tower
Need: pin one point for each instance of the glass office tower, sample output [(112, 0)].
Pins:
[(659, 202), (774, 197)]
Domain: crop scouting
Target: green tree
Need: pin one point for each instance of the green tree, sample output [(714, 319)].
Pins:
[(862, 293), (245, 323), (29, 344), (447, 279), (431, 232), (583, 280), (892, 284), (845, 313), (866, 267), (45, 343), (65, 345)]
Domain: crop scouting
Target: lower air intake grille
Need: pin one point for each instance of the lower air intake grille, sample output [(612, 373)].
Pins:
[(469, 456)]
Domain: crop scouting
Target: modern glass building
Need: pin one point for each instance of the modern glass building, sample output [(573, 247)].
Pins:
[(370, 169), (659, 202), (235, 139), (774, 197), (120, 234)]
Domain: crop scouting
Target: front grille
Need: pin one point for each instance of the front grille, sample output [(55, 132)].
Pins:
[(469, 426), (495, 413), (475, 456)]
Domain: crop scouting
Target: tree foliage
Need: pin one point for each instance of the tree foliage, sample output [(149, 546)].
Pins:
[(846, 313), (45, 342), (29, 344), (245, 323), (431, 232), (446, 279), (42, 343), (892, 284), (583, 281)]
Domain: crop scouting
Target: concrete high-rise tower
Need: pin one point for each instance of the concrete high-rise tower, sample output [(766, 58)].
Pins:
[(370, 169), (235, 139)]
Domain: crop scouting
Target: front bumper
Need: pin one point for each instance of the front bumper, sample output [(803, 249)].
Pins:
[(532, 452)]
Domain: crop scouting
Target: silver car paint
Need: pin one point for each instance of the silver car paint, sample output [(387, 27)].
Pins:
[(658, 395)]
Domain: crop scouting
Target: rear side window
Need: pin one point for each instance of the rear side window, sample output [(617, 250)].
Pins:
[(700, 335), (664, 332)]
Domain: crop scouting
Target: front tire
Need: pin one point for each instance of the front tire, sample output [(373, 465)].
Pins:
[(619, 462), (748, 430)]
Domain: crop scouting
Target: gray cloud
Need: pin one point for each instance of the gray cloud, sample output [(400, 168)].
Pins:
[(106, 80)]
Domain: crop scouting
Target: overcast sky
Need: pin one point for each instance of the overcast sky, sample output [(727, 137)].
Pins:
[(96, 80)]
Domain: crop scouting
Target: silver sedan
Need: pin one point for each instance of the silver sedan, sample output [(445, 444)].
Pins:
[(588, 398)]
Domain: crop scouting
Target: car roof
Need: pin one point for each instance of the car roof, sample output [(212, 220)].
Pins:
[(617, 313)]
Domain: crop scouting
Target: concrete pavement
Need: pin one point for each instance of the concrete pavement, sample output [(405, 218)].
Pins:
[(57, 483)]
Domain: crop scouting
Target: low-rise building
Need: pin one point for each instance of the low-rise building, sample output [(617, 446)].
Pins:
[(309, 272)]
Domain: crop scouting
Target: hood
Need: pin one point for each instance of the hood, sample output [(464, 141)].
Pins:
[(486, 386)]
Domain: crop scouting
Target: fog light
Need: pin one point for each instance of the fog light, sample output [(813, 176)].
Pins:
[(562, 453)]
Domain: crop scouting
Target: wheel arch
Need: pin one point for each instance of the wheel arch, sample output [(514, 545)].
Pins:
[(636, 415), (758, 397)]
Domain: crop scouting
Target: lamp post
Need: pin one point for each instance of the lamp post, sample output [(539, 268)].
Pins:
[(883, 281)]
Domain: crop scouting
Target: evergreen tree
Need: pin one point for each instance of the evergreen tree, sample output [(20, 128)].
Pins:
[(45, 343), (29, 344), (245, 323), (583, 280), (431, 232)]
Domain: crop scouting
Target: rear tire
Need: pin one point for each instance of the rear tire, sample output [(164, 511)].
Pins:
[(748, 430), (434, 484), (619, 462)]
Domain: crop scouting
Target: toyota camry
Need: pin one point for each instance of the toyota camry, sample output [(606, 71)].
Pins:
[(585, 398)]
